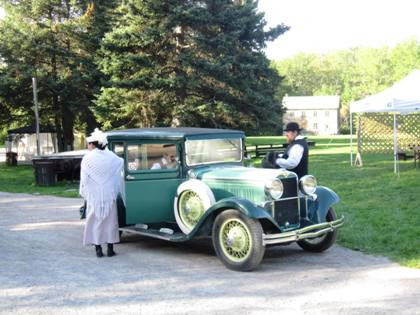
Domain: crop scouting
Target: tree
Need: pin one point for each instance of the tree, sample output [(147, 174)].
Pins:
[(55, 41), (194, 63), (353, 73)]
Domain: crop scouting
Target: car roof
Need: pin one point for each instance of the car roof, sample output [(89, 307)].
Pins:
[(173, 133)]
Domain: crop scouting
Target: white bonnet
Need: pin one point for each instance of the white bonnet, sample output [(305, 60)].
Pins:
[(99, 136)]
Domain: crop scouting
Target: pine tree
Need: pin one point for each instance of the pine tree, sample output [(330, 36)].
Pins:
[(194, 63)]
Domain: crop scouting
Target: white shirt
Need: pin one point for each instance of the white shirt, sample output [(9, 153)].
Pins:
[(295, 155), (158, 166)]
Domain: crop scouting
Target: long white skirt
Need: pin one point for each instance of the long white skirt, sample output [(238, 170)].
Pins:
[(98, 232)]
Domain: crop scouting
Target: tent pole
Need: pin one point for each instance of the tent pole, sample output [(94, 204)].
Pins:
[(351, 139), (358, 161)]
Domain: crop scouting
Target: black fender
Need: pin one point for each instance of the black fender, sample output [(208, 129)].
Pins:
[(248, 208), (318, 208)]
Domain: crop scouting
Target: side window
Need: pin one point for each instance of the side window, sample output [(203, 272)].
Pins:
[(118, 148), (135, 158), (152, 156)]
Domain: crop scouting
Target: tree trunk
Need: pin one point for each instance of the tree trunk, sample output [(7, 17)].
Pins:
[(91, 122), (67, 123)]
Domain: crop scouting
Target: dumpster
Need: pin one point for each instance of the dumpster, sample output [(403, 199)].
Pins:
[(11, 158), (44, 172), (52, 168)]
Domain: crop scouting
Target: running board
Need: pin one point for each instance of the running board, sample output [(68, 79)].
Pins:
[(174, 237)]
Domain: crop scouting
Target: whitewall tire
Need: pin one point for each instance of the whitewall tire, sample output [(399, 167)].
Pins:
[(192, 200)]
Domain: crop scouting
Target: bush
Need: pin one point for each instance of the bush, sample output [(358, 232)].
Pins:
[(344, 130)]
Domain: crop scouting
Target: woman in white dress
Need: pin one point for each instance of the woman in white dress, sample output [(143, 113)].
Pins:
[(101, 181)]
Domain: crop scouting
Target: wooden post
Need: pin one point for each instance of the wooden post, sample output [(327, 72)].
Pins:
[(38, 153)]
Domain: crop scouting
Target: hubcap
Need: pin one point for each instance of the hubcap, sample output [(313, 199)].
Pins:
[(190, 208), (235, 240)]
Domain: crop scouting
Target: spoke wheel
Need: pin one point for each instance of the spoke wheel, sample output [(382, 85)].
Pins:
[(319, 244), (191, 202), (237, 240), (191, 208)]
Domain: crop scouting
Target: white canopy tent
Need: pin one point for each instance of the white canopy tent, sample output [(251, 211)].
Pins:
[(401, 98)]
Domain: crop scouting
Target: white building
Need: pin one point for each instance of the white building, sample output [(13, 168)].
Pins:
[(22, 141), (317, 115)]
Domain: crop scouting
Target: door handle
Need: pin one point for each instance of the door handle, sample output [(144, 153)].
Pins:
[(130, 177)]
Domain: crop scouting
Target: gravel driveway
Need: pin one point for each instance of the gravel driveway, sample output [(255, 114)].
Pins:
[(45, 269)]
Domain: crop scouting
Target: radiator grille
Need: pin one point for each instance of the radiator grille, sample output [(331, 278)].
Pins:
[(286, 212), (290, 187)]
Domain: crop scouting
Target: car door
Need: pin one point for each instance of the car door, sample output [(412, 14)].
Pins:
[(152, 176)]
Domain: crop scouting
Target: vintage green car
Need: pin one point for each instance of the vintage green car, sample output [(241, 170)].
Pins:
[(184, 183)]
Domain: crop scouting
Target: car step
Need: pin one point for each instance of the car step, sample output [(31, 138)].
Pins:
[(163, 233)]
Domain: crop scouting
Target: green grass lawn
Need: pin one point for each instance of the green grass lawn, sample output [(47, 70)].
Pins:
[(382, 211), (21, 179)]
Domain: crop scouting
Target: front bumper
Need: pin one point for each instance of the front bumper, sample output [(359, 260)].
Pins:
[(311, 231)]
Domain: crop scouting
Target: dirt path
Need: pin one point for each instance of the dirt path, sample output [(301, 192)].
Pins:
[(45, 269)]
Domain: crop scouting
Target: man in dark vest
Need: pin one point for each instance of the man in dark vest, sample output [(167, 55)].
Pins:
[(295, 158)]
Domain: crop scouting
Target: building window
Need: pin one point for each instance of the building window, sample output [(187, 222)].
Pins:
[(326, 127), (315, 126), (327, 113), (303, 115), (291, 114), (315, 113)]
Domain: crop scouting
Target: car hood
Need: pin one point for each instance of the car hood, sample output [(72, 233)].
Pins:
[(239, 181), (241, 173)]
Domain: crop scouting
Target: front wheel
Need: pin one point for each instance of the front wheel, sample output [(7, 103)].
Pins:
[(237, 240), (323, 242)]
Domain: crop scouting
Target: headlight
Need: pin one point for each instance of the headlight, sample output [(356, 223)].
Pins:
[(308, 184), (274, 188)]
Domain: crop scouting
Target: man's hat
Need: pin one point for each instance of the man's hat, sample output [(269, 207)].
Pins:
[(292, 126), (98, 136)]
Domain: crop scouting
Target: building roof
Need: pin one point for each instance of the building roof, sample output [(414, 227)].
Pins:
[(311, 102), (173, 133)]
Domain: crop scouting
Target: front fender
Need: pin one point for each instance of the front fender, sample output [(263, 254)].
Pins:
[(318, 208), (245, 206)]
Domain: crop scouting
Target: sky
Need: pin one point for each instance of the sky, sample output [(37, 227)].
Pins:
[(320, 26)]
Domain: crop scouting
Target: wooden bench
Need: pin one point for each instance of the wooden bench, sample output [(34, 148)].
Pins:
[(260, 150), (404, 156)]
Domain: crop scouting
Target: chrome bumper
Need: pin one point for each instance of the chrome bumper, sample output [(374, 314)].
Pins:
[(311, 231)]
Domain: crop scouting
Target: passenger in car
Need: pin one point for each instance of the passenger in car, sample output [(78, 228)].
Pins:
[(167, 161), (134, 165)]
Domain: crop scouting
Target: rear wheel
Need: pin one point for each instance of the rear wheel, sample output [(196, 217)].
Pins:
[(237, 240), (319, 244)]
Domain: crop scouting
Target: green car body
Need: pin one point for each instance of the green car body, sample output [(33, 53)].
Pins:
[(199, 187)]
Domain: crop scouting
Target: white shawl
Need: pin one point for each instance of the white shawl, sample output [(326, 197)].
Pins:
[(101, 180)]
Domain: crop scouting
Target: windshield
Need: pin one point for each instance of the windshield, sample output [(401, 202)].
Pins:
[(213, 151)]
